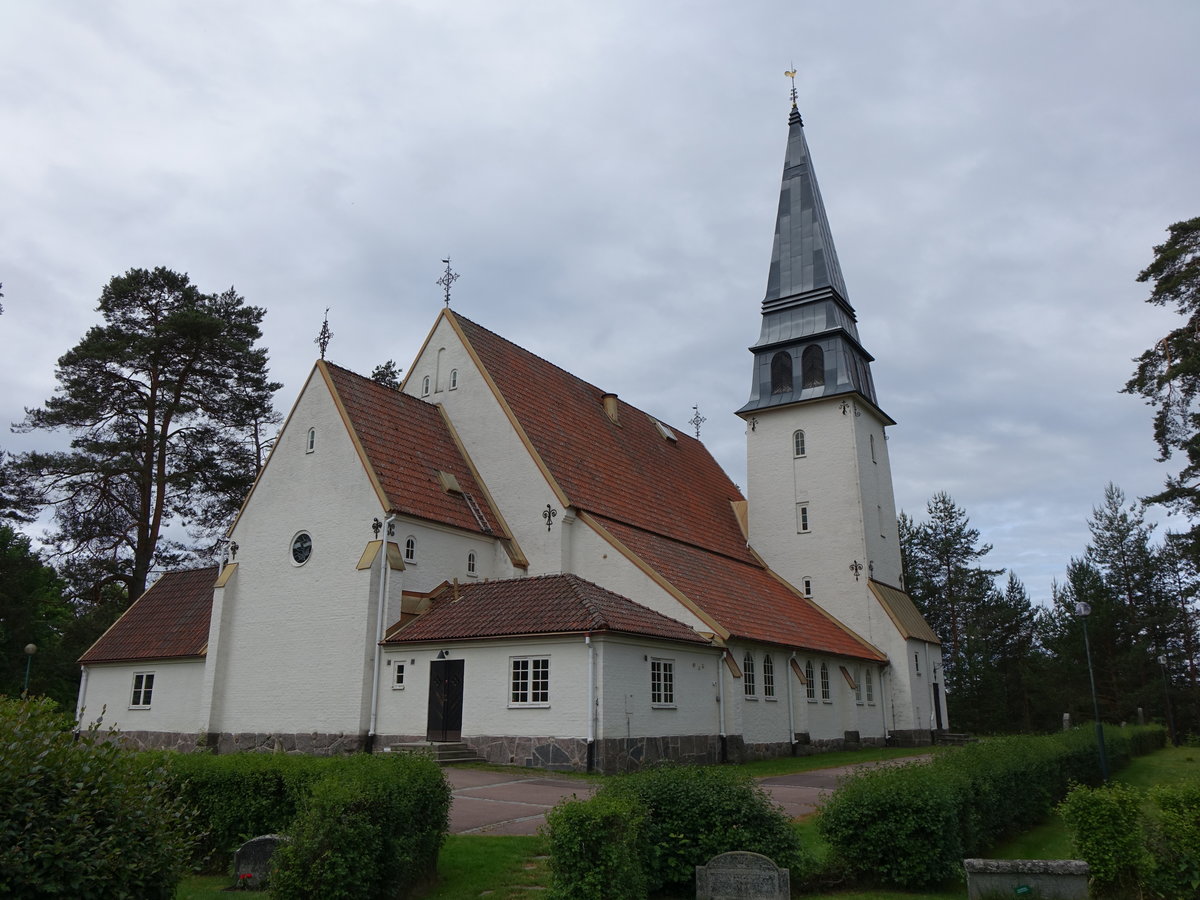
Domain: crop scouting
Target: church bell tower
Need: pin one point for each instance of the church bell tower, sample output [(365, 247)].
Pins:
[(821, 507)]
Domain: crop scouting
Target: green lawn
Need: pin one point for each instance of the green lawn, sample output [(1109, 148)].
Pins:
[(507, 867)]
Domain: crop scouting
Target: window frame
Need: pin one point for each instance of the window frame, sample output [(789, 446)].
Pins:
[(858, 686), (803, 519), (141, 694), (783, 378), (869, 677), (425, 384), (810, 676), (398, 675), (534, 690), (662, 682), (472, 564), (410, 550), (799, 444), (826, 693), (812, 367), (292, 545), (768, 677), (453, 385), (749, 688), (310, 441)]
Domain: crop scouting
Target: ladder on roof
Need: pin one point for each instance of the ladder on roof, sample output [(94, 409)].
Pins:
[(478, 513)]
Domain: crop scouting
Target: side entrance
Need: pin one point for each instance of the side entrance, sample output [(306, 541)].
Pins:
[(445, 700)]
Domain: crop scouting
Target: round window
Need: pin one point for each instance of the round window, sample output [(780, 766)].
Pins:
[(301, 548)]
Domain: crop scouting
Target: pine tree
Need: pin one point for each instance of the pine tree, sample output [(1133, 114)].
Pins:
[(167, 403)]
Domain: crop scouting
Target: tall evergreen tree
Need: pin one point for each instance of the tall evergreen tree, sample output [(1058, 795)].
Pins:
[(32, 611), (167, 403), (941, 574), (1168, 374), (993, 694)]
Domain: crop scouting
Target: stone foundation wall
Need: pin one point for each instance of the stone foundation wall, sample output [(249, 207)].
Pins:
[(913, 737), (315, 743), (182, 741)]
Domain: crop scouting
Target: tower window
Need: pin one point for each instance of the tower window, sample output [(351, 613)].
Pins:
[(454, 379), (802, 524), (410, 549), (748, 674), (310, 443), (425, 386), (798, 443), (807, 584), (781, 373), (812, 366)]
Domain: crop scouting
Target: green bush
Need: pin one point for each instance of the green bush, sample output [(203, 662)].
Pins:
[(372, 828), (693, 813), (1173, 841), (1106, 829), (595, 849), (911, 825), (240, 796), (80, 817)]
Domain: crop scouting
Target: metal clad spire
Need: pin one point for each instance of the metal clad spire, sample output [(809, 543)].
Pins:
[(803, 257)]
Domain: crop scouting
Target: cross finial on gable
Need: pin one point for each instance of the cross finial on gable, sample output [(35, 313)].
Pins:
[(324, 336), (448, 278), (697, 420)]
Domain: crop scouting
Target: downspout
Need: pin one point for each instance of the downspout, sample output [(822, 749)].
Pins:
[(81, 702), (721, 705), (591, 695), (791, 706), (378, 661)]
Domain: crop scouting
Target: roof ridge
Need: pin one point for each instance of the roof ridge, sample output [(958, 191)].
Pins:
[(751, 561)]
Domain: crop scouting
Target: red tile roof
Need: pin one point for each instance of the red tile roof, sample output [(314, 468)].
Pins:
[(746, 599), (169, 621), (407, 443), (627, 471), (546, 604)]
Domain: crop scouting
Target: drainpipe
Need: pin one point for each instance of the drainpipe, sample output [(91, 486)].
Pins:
[(378, 661), (791, 707), (721, 703), (591, 695), (81, 702)]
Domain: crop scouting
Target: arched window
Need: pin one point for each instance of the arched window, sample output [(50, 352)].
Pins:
[(781, 373), (768, 676), (425, 386), (798, 448), (825, 682), (310, 443), (471, 563), (810, 682), (748, 674), (812, 366), (807, 584), (453, 379), (410, 549), (870, 679), (858, 686)]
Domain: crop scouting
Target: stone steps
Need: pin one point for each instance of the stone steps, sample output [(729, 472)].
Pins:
[(953, 738), (444, 753)]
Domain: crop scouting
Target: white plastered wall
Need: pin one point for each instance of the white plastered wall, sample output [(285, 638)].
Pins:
[(624, 699), (174, 704)]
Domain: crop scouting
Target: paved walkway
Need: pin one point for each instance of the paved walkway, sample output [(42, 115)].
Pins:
[(488, 802)]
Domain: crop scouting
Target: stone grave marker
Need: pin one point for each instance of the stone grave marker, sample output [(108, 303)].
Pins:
[(741, 875), (252, 861)]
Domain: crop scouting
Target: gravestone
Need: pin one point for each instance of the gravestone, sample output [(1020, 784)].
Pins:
[(252, 861), (741, 875), (1066, 721)]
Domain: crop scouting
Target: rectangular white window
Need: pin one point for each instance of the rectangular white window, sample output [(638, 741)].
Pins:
[(530, 681), (802, 517), (825, 695), (768, 676), (143, 690), (398, 676), (662, 682)]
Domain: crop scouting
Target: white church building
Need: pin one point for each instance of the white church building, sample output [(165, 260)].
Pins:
[(502, 554)]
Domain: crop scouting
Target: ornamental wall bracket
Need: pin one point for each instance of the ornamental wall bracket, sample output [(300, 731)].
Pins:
[(856, 567), (548, 514)]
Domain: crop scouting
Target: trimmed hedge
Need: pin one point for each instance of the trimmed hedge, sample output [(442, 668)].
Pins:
[(911, 825), (371, 829), (79, 816), (595, 849), (688, 814), (239, 796)]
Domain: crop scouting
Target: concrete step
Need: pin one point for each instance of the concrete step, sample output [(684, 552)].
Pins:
[(443, 752), (953, 738)]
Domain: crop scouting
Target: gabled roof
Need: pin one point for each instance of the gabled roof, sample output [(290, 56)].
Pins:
[(900, 607), (627, 471), (745, 598), (169, 621), (546, 604), (667, 501), (407, 443)]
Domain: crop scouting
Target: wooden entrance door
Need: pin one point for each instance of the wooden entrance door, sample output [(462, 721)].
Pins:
[(937, 705), (445, 700)]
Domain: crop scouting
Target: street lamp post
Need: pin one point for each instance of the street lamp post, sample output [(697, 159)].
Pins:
[(30, 649), (1083, 610), (1162, 665)]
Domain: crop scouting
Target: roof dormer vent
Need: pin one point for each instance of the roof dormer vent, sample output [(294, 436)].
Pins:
[(449, 483), (610, 407)]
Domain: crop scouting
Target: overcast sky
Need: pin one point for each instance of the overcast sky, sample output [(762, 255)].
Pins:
[(605, 178)]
